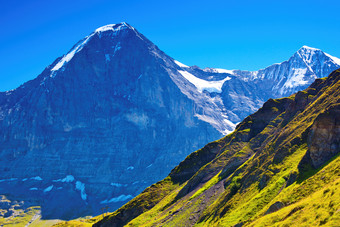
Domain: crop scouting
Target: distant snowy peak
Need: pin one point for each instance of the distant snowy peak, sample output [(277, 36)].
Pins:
[(301, 69), (278, 80), (310, 54), (305, 60)]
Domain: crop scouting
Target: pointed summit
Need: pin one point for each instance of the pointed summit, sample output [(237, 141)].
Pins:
[(115, 28), (308, 54), (308, 51), (110, 35), (304, 47), (111, 27)]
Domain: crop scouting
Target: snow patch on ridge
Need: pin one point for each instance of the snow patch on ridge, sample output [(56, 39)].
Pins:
[(11, 179), (117, 199), (201, 85), (118, 185), (107, 57), (216, 70), (36, 178), (231, 124), (81, 187), (105, 28), (297, 79), (49, 188), (69, 56), (181, 64), (335, 59), (111, 27), (67, 179)]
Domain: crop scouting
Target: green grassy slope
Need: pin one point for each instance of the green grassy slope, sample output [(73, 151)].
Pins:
[(30, 216), (280, 167)]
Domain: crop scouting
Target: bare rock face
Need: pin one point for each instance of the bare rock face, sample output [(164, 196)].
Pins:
[(324, 138), (275, 207), (97, 126)]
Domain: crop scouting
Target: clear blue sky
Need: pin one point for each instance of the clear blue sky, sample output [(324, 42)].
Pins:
[(231, 34)]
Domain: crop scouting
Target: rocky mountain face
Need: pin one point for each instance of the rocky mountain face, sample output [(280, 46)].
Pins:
[(279, 167), (116, 114), (324, 138), (97, 126)]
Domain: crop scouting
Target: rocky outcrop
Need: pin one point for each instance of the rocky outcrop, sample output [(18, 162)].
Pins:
[(275, 207), (324, 137)]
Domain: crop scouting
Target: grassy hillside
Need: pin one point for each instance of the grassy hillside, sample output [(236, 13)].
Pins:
[(30, 216), (280, 167)]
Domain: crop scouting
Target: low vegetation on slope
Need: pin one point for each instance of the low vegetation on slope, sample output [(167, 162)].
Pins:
[(281, 166)]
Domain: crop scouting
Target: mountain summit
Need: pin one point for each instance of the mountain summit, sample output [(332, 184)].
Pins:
[(116, 114), (238, 93)]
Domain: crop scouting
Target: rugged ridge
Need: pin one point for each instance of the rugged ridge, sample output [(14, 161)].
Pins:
[(244, 92), (280, 166), (324, 138)]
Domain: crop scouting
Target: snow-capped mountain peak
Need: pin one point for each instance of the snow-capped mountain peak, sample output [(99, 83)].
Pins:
[(229, 94), (111, 30), (304, 47), (111, 27), (300, 70), (115, 28), (307, 53)]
